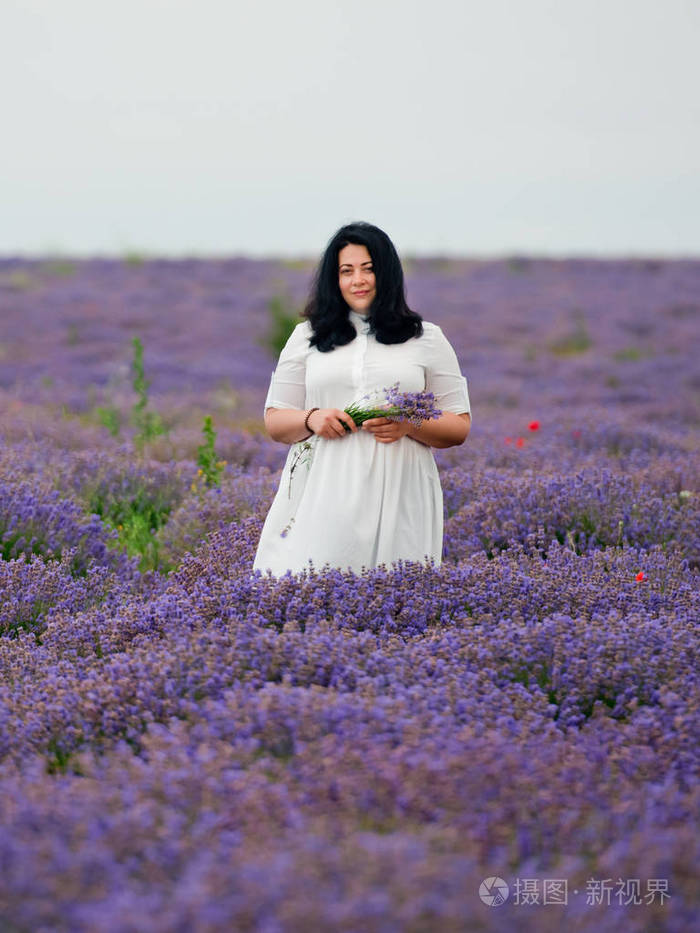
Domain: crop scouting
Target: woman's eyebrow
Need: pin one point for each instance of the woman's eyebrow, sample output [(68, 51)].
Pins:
[(367, 262)]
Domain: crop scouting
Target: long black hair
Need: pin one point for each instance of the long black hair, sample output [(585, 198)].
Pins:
[(390, 318)]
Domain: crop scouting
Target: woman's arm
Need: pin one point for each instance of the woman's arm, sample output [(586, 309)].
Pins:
[(449, 430), (287, 424)]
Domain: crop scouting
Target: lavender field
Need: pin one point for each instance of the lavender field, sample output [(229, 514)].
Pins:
[(186, 746)]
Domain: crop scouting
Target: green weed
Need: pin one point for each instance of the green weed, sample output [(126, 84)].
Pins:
[(149, 424), (284, 317), (211, 468)]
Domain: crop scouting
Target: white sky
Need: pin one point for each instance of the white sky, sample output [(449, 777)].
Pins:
[(475, 127)]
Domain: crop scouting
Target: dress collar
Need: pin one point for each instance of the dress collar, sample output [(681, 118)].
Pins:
[(360, 322)]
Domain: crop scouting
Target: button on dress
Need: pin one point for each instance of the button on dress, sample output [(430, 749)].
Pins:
[(352, 502)]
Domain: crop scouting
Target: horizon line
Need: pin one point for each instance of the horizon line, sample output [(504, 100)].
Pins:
[(144, 255)]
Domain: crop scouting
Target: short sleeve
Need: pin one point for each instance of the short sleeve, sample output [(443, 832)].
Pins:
[(288, 381), (442, 373)]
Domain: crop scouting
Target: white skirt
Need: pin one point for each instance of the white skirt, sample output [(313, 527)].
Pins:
[(353, 503)]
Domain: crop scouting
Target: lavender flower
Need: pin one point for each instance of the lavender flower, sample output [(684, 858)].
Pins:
[(414, 407), (184, 750)]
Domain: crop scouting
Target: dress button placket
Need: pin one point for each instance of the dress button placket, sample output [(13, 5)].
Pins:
[(358, 368)]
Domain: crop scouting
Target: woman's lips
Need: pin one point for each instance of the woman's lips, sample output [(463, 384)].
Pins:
[(359, 294)]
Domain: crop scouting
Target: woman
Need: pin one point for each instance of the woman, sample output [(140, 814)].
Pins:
[(352, 497)]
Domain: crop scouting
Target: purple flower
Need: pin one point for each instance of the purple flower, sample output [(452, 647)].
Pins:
[(414, 407)]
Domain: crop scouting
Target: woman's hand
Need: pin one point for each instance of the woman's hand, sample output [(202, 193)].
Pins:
[(328, 422), (386, 431)]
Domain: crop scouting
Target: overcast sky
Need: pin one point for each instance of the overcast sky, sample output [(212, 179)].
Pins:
[(541, 127)]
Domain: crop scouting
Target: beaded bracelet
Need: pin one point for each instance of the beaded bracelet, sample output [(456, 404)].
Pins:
[(306, 420)]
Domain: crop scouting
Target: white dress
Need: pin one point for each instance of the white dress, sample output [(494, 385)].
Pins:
[(353, 502)]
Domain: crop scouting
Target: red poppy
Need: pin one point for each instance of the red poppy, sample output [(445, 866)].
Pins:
[(520, 441), (534, 425), (509, 440), (640, 576), (576, 433)]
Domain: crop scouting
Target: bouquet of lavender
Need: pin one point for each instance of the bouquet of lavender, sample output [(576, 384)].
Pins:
[(414, 407)]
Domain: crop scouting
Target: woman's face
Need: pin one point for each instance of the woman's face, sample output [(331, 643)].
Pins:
[(356, 277)]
